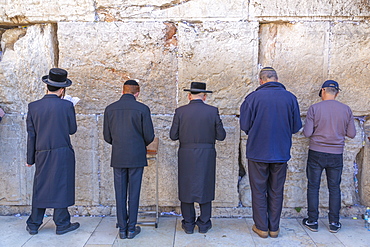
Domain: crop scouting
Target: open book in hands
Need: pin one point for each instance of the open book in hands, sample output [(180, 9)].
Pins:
[(74, 100)]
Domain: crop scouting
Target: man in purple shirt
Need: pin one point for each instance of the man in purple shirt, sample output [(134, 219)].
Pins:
[(327, 123)]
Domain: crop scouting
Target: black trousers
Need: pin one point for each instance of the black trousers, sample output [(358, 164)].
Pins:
[(127, 185), (333, 166), (267, 186), (188, 213), (61, 217)]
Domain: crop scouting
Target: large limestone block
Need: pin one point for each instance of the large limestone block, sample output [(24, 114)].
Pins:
[(85, 143), (36, 11), (291, 9), (27, 57), (222, 54), (15, 183), (350, 65), (115, 10), (227, 166), (299, 53), (101, 56)]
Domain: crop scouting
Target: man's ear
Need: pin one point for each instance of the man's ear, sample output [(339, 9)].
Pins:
[(136, 94)]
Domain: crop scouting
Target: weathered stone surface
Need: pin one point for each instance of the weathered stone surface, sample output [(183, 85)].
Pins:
[(350, 65), (290, 9), (363, 159), (23, 64), (115, 10), (36, 11), (15, 176), (299, 53), (211, 52), (101, 56), (85, 143)]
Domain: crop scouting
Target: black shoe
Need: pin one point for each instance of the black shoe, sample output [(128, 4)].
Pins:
[(334, 227), (313, 226), (71, 227), (122, 234), (31, 232), (187, 231), (131, 235), (204, 230)]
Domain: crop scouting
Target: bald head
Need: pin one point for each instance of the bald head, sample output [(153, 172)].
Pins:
[(268, 74)]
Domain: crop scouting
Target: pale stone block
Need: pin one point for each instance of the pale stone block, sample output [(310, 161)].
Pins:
[(23, 63), (349, 64), (102, 56), (85, 144), (115, 10), (36, 11), (221, 54), (291, 9), (16, 178), (299, 53)]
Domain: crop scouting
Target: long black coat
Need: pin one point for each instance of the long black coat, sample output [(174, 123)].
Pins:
[(128, 127), (50, 121), (197, 126)]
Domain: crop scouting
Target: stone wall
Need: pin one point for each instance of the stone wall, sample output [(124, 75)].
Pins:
[(165, 45)]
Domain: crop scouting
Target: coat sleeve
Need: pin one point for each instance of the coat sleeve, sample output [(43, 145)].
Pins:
[(220, 131), (297, 122), (246, 116), (174, 131), (31, 139), (106, 129), (72, 120), (148, 130)]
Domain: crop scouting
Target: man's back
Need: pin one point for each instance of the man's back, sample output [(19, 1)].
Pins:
[(129, 128), (197, 122), (327, 124), (270, 116)]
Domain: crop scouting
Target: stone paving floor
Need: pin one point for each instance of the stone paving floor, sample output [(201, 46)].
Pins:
[(101, 232)]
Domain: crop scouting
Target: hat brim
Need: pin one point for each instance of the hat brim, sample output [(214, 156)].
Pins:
[(66, 83), (198, 91)]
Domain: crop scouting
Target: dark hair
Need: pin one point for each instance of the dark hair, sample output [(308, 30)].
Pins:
[(52, 88), (268, 73)]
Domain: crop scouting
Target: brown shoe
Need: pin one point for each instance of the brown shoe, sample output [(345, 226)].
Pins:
[(274, 234), (262, 234)]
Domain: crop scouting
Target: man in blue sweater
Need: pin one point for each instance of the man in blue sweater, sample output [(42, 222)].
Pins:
[(269, 116)]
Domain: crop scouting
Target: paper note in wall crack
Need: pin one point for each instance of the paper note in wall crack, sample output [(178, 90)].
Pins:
[(74, 100)]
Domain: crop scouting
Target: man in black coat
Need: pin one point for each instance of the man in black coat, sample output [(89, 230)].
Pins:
[(197, 126), (50, 121), (129, 129)]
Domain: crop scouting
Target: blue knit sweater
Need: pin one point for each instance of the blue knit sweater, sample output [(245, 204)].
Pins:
[(269, 116)]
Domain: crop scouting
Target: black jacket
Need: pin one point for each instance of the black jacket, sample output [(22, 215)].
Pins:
[(50, 121), (128, 127), (197, 126)]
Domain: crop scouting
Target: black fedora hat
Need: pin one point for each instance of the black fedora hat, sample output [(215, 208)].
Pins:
[(57, 78), (198, 87)]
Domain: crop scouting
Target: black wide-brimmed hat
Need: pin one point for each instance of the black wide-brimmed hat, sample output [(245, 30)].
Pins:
[(57, 78), (198, 87)]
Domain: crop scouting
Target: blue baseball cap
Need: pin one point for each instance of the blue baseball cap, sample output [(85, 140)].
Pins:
[(329, 83)]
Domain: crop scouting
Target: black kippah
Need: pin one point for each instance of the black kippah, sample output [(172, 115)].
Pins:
[(131, 82)]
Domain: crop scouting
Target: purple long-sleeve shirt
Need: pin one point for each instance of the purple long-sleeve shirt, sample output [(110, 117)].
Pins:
[(327, 123)]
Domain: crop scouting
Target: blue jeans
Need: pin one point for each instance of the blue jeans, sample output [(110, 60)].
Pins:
[(333, 165)]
